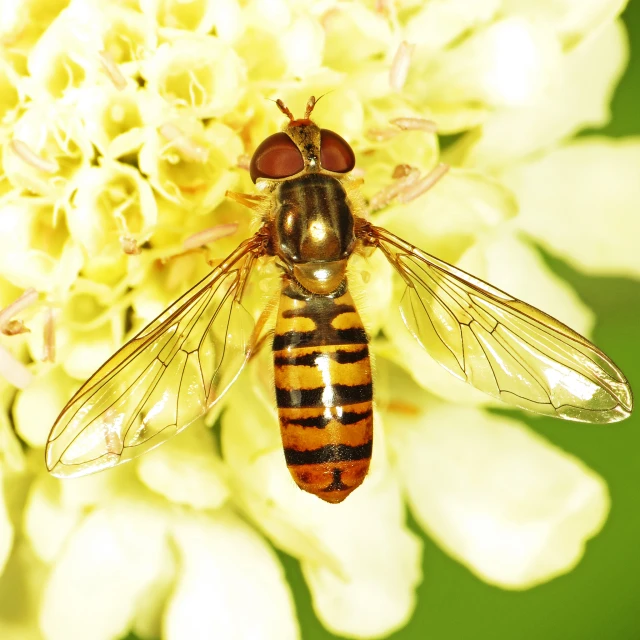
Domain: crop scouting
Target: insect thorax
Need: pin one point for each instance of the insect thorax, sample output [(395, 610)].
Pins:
[(313, 220), (314, 230)]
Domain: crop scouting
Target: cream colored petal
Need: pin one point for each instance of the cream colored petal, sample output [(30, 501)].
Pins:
[(373, 594), (101, 488), (20, 593), (354, 35), (12, 453), (88, 330), (508, 261), (230, 585), (371, 285), (584, 81), (438, 24), (450, 217), (54, 508), (197, 184), (302, 46), (11, 94), (112, 202), (58, 148), (47, 522), (204, 16), (36, 249), (581, 203), (37, 407), (513, 508), (198, 75), (186, 470), (507, 63), (572, 20), (6, 528), (115, 558), (114, 118), (361, 562), (63, 59)]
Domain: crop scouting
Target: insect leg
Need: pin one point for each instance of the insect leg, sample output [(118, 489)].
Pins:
[(254, 203)]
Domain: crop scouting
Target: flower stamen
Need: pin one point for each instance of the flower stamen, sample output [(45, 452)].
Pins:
[(404, 175), (206, 236), (400, 65), (112, 70), (130, 245), (28, 155), (8, 325), (415, 124), (424, 184), (380, 135), (13, 371), (189, 149), (49, 337)]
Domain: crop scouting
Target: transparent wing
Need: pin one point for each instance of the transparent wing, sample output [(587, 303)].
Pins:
[(500, 344), (168, 375)]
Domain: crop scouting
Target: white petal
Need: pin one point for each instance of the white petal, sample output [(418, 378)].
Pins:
[(12, 458), (373, 594), (37, 407), (510, 263), (506, 503), (112, 561), (354, 35), (186, 470), (579, 97), (437, 24), (199, 75), (508, 63), (361, 562), (231, 585), (572, 20), (302, 44), (20, 594), (6, 528), (371, 285), (100, 488), (47, 522), (450, 217), (581, 202)]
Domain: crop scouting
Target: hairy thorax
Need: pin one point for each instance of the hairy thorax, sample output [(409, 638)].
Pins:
[(314, 230)]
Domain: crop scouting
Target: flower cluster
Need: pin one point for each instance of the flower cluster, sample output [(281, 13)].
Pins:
[(122, 125)]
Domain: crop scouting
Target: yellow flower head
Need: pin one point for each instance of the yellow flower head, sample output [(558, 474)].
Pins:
[(123, 123)]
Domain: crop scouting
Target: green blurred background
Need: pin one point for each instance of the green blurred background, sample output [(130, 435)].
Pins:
[(600, 599)]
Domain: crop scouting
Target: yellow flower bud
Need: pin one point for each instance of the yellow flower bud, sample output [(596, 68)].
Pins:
[(112, 206), (196, 75), (36, 249)]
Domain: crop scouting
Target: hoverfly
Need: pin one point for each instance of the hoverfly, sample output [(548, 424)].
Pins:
[(181, 364)]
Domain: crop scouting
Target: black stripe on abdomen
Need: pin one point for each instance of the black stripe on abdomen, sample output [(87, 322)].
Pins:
[(320, 422), (310, 359), (317, 338), (329, 453), (336, 395)]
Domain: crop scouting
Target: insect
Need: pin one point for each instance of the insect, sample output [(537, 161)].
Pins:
[(182, 363)]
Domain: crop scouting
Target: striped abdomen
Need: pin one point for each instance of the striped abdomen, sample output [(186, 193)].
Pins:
[(323, 392)]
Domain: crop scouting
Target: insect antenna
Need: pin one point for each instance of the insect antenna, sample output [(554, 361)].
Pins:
[(311, 103), (283, 107)]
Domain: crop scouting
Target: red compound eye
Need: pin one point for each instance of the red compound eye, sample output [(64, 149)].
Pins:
[(276, 157), (335, 152)]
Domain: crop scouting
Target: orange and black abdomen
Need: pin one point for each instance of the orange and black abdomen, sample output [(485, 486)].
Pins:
[(323, 391)]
